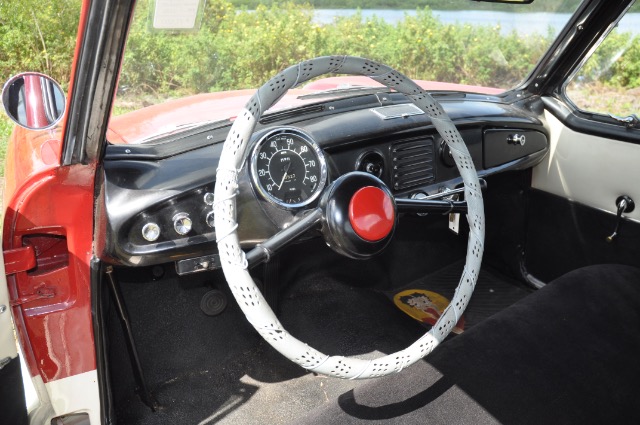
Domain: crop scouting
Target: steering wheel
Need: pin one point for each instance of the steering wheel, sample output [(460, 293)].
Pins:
[(235, 262)]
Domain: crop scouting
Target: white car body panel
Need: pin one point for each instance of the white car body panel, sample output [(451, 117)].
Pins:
[(587, 169)]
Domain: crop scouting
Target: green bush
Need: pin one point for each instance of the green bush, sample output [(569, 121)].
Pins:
[(241, 49), (251, 47), (615, 63), (6, 126), (37, 36), (625, 69), (161, 61)]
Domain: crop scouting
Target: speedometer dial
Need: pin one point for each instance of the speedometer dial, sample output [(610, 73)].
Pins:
[(288, 168)]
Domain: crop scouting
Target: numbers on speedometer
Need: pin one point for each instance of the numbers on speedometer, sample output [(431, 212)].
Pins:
[(288, 168)]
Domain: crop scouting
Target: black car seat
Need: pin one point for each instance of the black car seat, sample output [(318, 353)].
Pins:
[(567, 354)]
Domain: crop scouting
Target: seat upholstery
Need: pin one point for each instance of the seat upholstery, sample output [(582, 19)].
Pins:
[(567, 354)]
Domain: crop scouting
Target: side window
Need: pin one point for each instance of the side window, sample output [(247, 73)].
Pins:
[(609, 81)]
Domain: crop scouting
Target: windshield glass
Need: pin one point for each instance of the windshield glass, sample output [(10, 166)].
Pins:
[(451, 45)]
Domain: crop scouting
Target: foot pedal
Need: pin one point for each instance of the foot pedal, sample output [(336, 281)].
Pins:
[(213, 302), (424, 306)]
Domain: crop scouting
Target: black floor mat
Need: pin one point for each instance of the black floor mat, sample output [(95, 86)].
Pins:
[(493, 292), (218, 370), (205, 370)]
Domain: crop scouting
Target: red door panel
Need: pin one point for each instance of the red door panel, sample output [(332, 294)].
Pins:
[(53, 213)]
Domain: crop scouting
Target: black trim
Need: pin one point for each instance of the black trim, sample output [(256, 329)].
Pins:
[(500, 147), (291, 113), (583, 31), (564, 235), (263, 252), (99, 60), (466, 112), (172, 145), (98, 297), (587, 124), (136, 365), (13, 406)]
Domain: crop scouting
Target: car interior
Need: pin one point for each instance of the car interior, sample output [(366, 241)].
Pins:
[(548, 336)]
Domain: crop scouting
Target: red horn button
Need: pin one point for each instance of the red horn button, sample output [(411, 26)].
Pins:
[(371, 213)]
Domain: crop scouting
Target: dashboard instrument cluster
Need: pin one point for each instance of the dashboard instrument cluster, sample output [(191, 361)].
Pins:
[(181, 220), (158, 198), (288, 168)]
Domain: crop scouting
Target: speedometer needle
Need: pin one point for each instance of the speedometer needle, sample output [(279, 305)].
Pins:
[(284, 176)]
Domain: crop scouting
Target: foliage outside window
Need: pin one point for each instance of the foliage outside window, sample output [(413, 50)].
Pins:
[(36, 36), (609, 81), (241, 45)]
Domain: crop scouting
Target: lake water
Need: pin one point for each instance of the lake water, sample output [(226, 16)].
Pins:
[(522, 23)]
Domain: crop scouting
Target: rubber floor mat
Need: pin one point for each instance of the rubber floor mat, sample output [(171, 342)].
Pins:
[(422, 299)]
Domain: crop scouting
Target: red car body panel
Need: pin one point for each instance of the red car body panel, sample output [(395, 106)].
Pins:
[(154, 120), (51, 208), (36, 117), (158, 119)]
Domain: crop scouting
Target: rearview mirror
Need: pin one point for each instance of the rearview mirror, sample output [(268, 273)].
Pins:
[(34, 101)]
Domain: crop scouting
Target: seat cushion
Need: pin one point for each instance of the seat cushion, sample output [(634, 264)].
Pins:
[(569, 353)]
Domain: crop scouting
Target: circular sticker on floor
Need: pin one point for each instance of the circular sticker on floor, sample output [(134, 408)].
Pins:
[(424, 306)]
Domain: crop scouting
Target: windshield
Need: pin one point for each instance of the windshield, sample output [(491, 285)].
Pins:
[(452, 45)]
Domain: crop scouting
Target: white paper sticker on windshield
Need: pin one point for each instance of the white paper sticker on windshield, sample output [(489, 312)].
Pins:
[(177, 14)]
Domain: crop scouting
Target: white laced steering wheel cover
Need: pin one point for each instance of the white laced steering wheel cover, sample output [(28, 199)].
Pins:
[(233, 260)]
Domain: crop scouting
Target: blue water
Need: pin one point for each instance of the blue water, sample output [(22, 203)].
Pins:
[(521, 23)]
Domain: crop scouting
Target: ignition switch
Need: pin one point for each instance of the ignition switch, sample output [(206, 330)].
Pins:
[(372, 163)]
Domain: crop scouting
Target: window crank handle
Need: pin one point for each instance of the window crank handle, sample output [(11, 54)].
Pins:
[(625, 205)]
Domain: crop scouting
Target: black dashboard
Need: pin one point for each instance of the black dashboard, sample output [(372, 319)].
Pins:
[(157, 198)]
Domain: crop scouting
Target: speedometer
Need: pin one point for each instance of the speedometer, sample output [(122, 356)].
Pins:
[(288, 168)]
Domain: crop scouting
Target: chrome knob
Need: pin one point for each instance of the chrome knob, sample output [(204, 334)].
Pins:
[(151, 232), (210, 219), (182, 224), (208, 198)]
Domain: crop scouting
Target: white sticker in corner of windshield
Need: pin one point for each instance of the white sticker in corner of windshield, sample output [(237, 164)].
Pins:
[(177, 15)]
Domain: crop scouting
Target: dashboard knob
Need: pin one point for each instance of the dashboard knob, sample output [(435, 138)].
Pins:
[(151, 232), (372, 163), (182, 224), (210, 219), (446, 156), (208, 198), (373, 168)]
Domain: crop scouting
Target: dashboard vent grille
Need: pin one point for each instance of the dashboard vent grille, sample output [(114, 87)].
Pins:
[(412, 162)]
